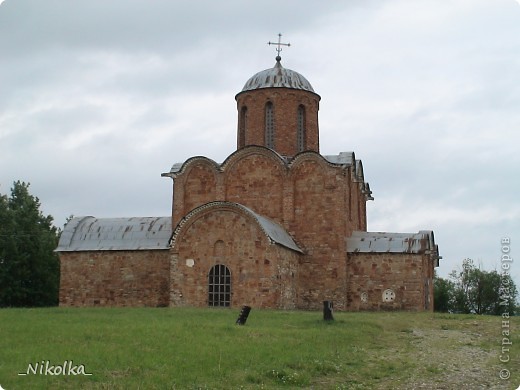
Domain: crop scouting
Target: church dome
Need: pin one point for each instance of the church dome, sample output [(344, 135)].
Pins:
[(278, 77)]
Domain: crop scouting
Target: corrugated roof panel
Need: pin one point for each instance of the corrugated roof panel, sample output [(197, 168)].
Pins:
[(381, 242), (96, 234), (275, 232)]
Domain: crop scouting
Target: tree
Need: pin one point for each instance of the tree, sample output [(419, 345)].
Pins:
[(508, 294), (473, 290), (29, 268), (443, 292)]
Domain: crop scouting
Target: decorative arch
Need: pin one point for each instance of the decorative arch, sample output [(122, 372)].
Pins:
[(312, 171), (238, 155), (309, 155), (199, 182), (255, 178), (250, 239), (274, 232), (181, 169)]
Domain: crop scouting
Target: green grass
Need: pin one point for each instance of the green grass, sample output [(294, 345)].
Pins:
[(187, 348)]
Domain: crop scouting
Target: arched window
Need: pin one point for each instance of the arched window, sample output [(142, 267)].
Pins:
[(301, 129), (242, 123), (269, 125), (219, 286)]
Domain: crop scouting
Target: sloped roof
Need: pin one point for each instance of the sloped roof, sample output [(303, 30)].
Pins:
[(98, 234), (383, 242), (274, 231)]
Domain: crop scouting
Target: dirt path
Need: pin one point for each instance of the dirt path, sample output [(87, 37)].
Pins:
[(456, 359)]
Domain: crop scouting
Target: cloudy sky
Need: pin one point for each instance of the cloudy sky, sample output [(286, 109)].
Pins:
[(98, 98)]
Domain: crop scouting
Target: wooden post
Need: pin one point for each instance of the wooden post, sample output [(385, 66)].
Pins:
[(242, 317), (327, 311)]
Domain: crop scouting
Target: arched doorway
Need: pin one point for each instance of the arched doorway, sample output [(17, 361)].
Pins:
[(219, 286)]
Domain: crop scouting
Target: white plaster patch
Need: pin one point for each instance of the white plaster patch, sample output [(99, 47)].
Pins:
[(388, 295), (364, 297)]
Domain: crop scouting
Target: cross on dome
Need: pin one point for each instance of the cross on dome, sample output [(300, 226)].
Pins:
[(279, 44)]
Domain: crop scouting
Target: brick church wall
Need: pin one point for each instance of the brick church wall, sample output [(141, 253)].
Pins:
[(262, 274), (407, 275), (320, 223), (285, 104), (115, 278), (200, 184), (256, 180), (316, 202)]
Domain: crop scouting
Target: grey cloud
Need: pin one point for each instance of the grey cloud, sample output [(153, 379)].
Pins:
[(99, 97)]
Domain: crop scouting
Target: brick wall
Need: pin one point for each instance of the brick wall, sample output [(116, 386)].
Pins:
[(115, 278), (199, 185), (262, 274), (320, 223), (285, 102), (256, 180), (408, 276), (316, 202)]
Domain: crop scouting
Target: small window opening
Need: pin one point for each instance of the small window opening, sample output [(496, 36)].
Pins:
[(242, 126), (269, 125), (219, 286), (301, 129)]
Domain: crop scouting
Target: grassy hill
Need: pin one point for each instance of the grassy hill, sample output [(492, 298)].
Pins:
[(186, 348)]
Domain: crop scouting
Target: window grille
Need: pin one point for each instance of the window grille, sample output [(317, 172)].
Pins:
[(301, 129), (269, 125), (219, 288)]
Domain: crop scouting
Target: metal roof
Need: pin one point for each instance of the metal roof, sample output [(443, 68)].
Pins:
[(278, 77), (382, 242), (343, 158), (274, 231), (349, 159), (98, 234), (176, 167)]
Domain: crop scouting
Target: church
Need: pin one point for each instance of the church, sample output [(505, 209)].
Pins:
[(275, 225)]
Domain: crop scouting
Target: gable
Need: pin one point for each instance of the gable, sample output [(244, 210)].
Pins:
[(274, 232)]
